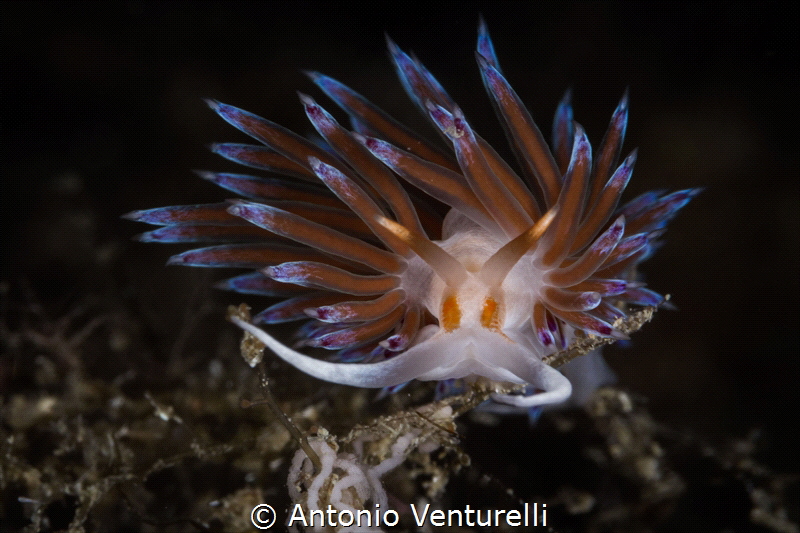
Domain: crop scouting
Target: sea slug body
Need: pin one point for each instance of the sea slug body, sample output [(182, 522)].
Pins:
[(407, 261)]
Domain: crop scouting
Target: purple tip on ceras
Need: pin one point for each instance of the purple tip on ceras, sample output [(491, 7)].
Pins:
[(452, 124), (380, 149), (545, 337), (292, 272), (619, 180), (417, 81), (485, 46), (332, 341), (642, 296), (212, 103), (323, 313), (258, 284), (314, 112), (396, 343), (563, 131)]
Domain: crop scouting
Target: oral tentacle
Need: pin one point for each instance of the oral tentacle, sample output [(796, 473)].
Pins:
[(555, 386), (394, 371)]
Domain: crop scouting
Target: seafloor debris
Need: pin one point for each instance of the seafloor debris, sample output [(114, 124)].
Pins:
[(145, 442)]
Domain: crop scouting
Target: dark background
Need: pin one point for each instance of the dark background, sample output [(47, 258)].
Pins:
[(102, 114)]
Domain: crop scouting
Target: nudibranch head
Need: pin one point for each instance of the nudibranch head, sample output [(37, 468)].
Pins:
[(520, 265)]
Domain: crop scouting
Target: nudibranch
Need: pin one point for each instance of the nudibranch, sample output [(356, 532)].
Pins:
[(466, 268)]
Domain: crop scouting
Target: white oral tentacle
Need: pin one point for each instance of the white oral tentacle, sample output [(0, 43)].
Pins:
[(556, 386), (399, 369)]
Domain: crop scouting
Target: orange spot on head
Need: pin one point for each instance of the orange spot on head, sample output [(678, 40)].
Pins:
[(451, 313), (490, 318)]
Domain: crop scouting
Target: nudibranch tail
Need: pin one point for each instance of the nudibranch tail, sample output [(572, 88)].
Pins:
[(407, 260)]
